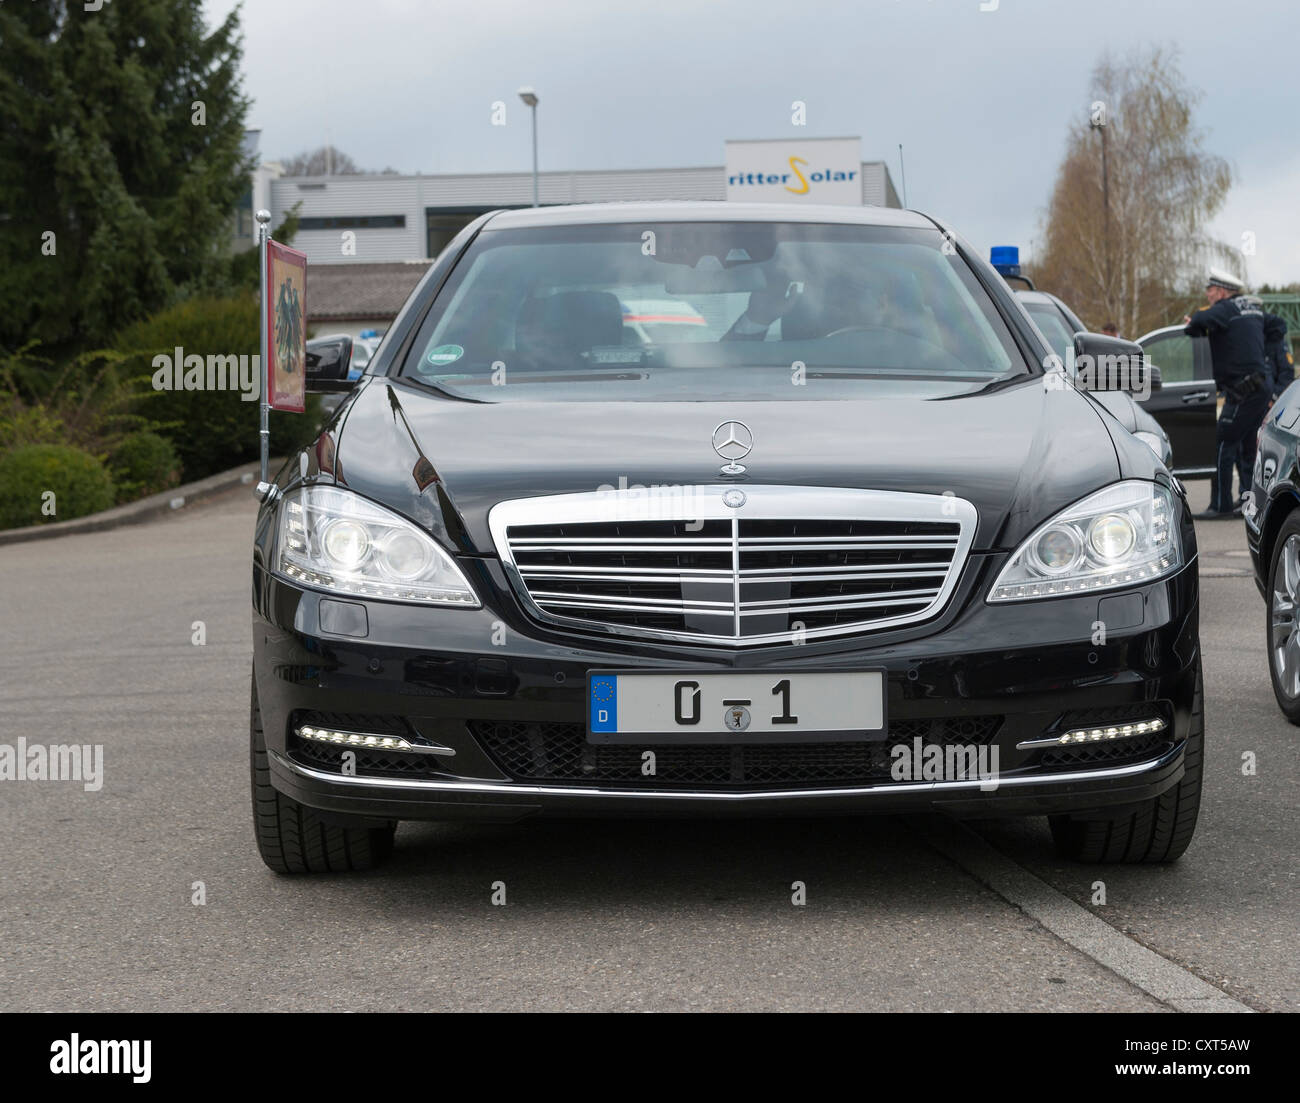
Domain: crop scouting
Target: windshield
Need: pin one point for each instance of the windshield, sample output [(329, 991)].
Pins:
[(1053, 325), (697, 310)]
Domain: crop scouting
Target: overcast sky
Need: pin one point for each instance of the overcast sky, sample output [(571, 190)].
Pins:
[(979, 100)]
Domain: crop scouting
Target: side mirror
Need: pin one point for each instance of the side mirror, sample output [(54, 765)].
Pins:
[(1105, 363), (328, 361)]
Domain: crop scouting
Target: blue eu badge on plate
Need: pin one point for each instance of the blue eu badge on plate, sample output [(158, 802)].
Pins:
[(604, 703)]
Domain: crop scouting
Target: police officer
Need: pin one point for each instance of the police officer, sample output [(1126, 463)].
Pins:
[(1234, 324), (1281, 361), (1277, 355), (1279, 367)]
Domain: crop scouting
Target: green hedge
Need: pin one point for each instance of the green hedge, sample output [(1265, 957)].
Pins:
[(143, 464), (78, 480), (210, 430)]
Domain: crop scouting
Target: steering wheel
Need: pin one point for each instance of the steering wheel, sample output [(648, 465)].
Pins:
[(889, 329)]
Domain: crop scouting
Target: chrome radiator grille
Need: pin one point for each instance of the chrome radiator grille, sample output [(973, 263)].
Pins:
[(787, 563)]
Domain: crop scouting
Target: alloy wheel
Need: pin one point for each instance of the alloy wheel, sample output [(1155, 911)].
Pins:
[(1284, 636)]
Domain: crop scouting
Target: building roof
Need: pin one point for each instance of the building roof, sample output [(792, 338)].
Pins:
[(361, 290), (707, 211)]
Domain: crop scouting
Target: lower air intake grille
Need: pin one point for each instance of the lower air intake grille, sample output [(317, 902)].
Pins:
[(368, 763), (561, 753), (1115, 752)]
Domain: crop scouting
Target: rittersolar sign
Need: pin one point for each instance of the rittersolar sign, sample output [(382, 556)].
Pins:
[(809, 170)]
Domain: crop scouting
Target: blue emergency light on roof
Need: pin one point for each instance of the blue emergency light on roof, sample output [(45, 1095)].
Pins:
[(369, 333), (1006, 259)]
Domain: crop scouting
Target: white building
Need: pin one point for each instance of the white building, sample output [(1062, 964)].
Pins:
[(389, 226), (402, 218)]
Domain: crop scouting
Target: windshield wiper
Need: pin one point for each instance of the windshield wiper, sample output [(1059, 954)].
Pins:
[(535, 377), (893, 373)]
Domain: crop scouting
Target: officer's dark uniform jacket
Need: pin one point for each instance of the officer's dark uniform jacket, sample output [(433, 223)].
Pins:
[(1279, 368), (1235, 327), (1281, 365)]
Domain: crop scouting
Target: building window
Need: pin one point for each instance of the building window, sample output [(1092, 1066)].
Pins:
[(441, 228), (354, 222)]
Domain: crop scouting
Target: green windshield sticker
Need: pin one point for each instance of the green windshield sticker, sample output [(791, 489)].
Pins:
[(445, 354)]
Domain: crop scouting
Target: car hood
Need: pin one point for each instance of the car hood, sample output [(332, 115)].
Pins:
[(1119, 406), (1018, 452)]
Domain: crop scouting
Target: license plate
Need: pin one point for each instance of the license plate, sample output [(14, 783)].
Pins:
[(627, 707)]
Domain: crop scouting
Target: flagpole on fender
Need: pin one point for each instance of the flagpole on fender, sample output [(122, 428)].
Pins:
[(263, 233)]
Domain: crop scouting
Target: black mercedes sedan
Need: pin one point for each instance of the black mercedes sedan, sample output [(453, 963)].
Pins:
[(1272, 513), (1058, 323), (712, 510)]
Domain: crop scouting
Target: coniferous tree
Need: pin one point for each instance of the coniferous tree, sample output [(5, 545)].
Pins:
[(121, 162)]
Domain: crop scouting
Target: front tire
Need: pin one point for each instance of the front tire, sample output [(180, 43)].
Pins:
[(1159, 830), (291, 837), (1282, 626)]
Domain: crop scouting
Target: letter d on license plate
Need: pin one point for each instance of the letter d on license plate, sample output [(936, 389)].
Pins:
[(634, 707)]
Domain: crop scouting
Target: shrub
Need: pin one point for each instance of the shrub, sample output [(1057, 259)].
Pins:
[(85, 401), (21, 424), (143, 464), (210, 430), (79, 481)]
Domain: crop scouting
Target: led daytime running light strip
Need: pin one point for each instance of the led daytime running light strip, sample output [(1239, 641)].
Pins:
[(370, 742), (1100, 734), (375, 589)]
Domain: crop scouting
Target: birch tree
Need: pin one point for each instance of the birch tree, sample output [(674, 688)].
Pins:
[(1128, 243)]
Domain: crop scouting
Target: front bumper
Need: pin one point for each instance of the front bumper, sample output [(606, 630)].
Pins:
[(1001, 675), (508, 802)]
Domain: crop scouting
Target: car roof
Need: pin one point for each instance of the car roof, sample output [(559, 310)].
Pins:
[(1043, 298), (1161, 331), (1046, 298), (706, 211)]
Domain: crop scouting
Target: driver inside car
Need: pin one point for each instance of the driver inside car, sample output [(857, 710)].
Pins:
[(810, 312), (764, 308)]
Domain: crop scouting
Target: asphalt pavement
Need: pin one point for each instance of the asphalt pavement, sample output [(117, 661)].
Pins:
[(98, 892)]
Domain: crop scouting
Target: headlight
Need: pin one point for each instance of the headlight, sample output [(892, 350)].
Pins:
[(332, 539), (1154, 442), (1121, 536)]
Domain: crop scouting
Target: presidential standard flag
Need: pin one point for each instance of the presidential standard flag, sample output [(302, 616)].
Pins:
[(286, 315)]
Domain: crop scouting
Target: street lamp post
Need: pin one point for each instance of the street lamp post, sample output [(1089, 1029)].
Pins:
[(1099, 125), (530, 98)]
